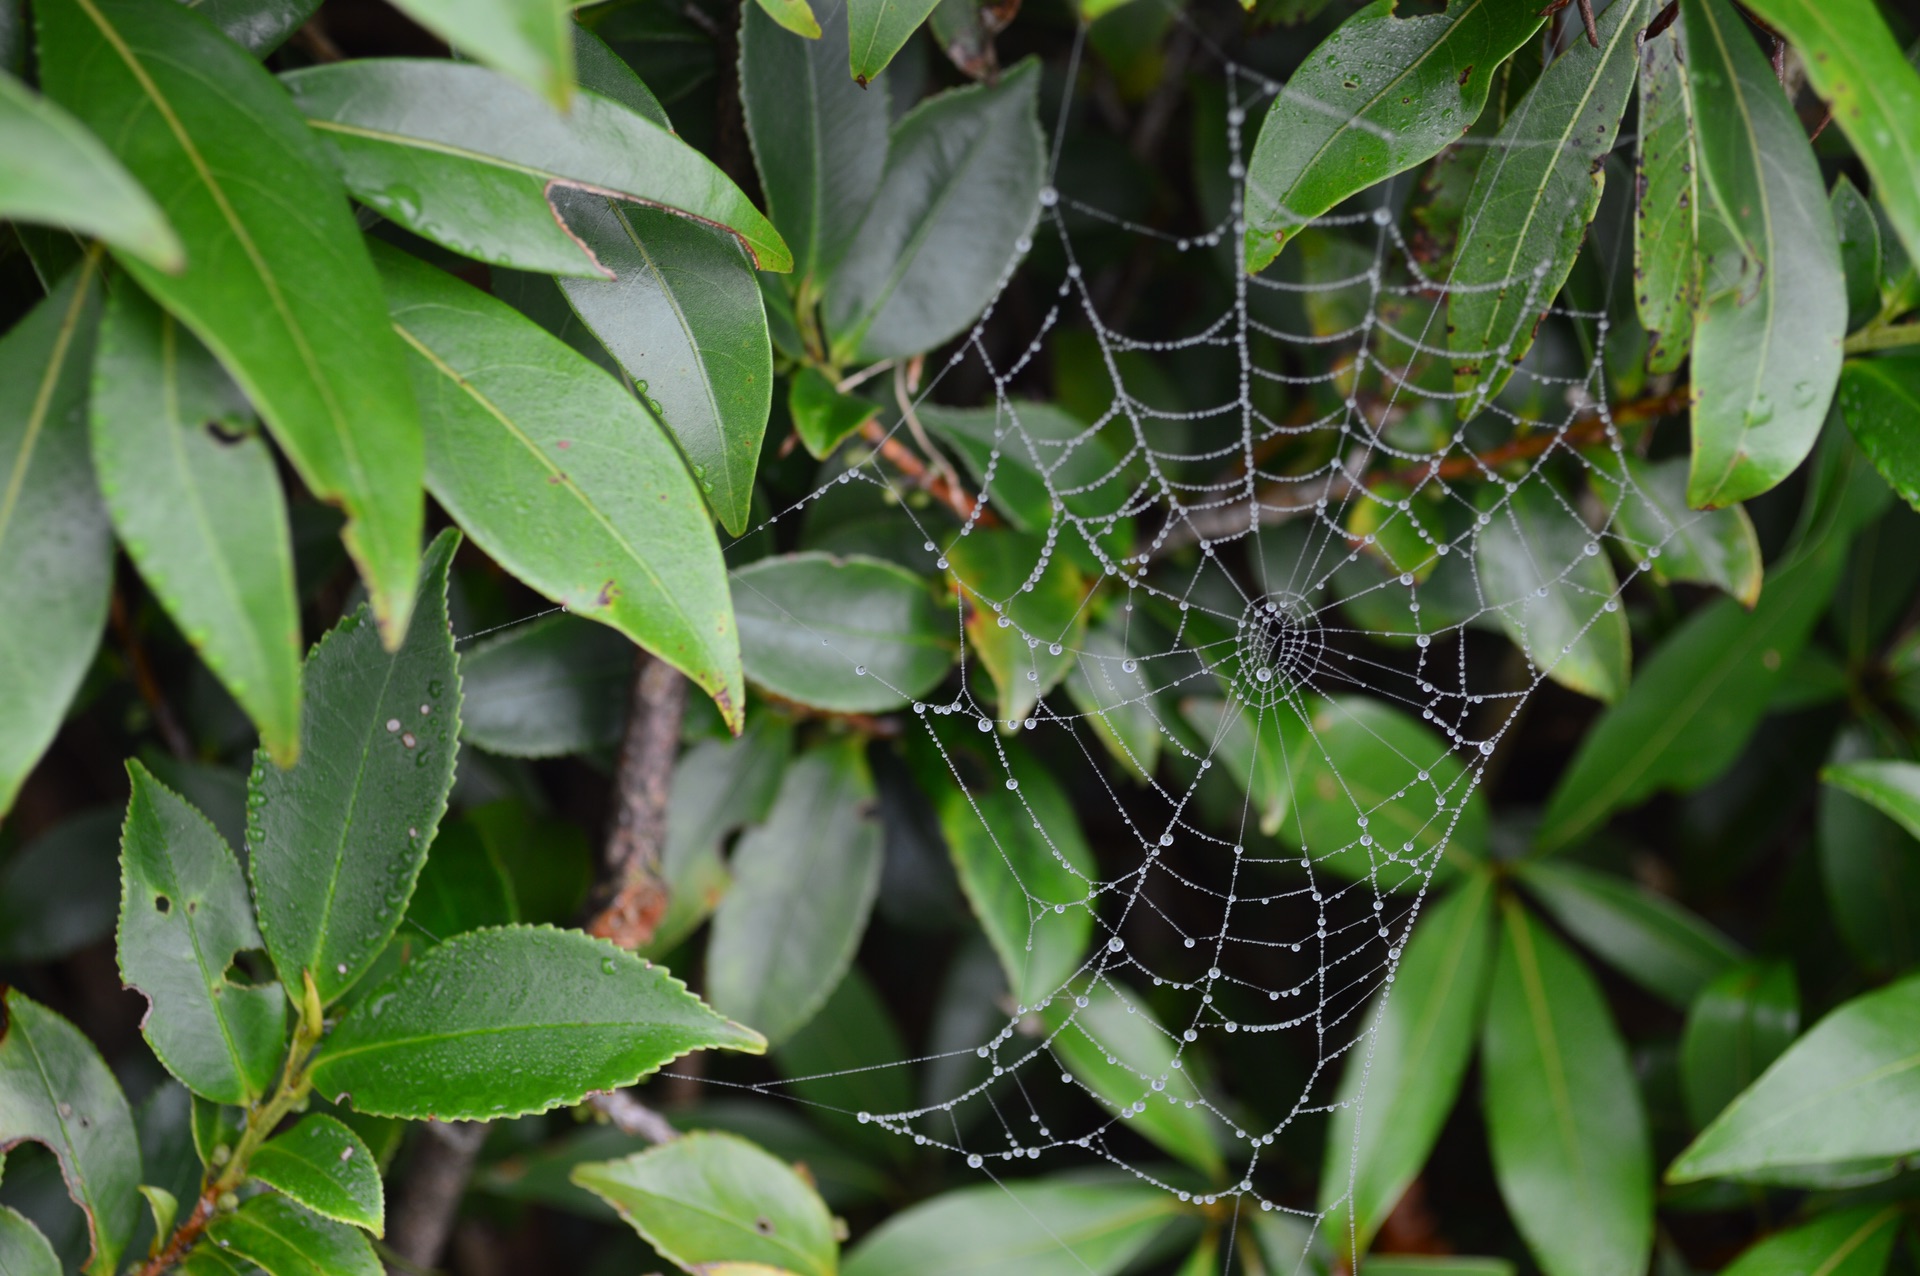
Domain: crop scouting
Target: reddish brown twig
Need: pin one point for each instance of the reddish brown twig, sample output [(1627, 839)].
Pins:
[(1592, 430), (942, 489)]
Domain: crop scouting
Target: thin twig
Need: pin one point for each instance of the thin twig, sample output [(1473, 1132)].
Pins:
[(1591, 430), (630, 1116), (903, 458), (632, 896)]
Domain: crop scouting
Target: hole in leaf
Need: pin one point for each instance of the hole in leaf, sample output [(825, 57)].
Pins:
[(226, 433), (162, 904), (763, 1225), (249, 969)]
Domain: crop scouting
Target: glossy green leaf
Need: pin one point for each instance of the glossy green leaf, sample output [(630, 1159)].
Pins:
[(1739, 1023), (1647, 501), (819, 140), (804, 882), (61, 891), (1858, 233), (554, 686), (875, 31), (1258, 750), (562, 478), (463, 887), (1849, 1089), (1878, 400), (1380, 95), (184, 917), (196, 501), (1424, 1265), (282, 1239), (453, 153), (1530, 205), (336, 841), (1652, 940), (530, 40), (822, 416), (1119, 704), (55, 1090), (1766, 346), (547, 860), (849, 634), (517, 1019), (23, 1250), (1844, 1242), (1893, 788), (56, 549), (1564, 1119), (1026, 457), (1402, 1077), (58, 174), (214, 1126), (1854, 62), (1019, 853), (1696, 700), (1007, 576), (326, 1167), (259, 26), (710, 1198), (1536, 545), (1036, 1227), (955, 203), (607, 73), (1868, 864), (289, 304), (795, 15), (1115, 1048), (211, 1260), (1666, 268)]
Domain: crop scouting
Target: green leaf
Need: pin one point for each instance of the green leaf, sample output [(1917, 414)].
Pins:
[(709, 1198), (1025, 602), (335, 842), (1878, 399), (58, 174), (1400, 1081), (686, 320), (1118, 705), (846, 1061), (1647, 502), (1022, 860), (875, 31), (61, 891), (56, 549), (562, 478), (1650, 939), (554, 686), (196, 501), (1036, 1227), (55, 1090), (214, 1126), (607, 73), (1843, 1242), (1739, 1024), (326, 1167), (804, 882), (184, 918), (1108, 1039), (1854, 63), (1258, 750), (822, 416), (463, 886), (1423, 1265), (1858, 233), (530, 40), (1378, 96), (1766, 346), (282, 1239), (1848, 1090), (1666, 267), (1697, 699), (259, 26), (848, 634), (518, 1019), (547, 860), (1529, 210), (955, 203), (819, 140), (795, 15), (23, 1250), (455, 154), (1892, 788), (288, 304), (1537, 544), (1869, 866), (1564, 1121)]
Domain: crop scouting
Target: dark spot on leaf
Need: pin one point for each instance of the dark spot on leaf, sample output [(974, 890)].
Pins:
[(763, 1225), (162, 904), (608, 592), (1466, 74)]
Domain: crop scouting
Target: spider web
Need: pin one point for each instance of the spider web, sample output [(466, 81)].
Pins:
[(1292, 579)]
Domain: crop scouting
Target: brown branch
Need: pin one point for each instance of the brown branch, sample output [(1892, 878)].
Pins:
[(949, 494), (436, 1180), (632, 897), (184, 1235), (1592, 430), (632, 1117), (144, 681)]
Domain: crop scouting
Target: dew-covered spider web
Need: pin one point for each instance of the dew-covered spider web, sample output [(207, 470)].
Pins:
[(1231, 673)]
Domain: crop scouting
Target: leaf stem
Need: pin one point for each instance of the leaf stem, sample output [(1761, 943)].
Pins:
[(1883, 336)]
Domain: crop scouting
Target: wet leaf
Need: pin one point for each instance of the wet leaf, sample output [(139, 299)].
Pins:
[(822, 416), (1647, 501), (1038, 1227), (185, 917), (326, 1167), (711, 1198), (1858, 231), (336, 841), (1013, 630), (290, 305), (1878, 399), (1550, 587), (282, 1239), (259, 26), (1766, 346), (1666, 269), (516, 1019)]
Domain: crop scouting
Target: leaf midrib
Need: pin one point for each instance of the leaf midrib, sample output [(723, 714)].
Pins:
[(43, 395), (1540, 1016)]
